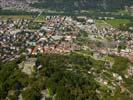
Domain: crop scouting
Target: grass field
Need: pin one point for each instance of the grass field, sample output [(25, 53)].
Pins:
[(113, 22), (40, 19), (102, 23), (117, 22), (15, 17)]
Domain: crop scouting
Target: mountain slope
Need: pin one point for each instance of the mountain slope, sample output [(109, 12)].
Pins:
[(83, 4)]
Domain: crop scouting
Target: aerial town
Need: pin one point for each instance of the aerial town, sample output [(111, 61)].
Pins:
[(57, 35), (66, 50)]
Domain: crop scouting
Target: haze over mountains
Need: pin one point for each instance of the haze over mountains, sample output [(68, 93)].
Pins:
[(83, 4), (69, 5)]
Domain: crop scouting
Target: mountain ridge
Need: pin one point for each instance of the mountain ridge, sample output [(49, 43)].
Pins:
[(83, 4)]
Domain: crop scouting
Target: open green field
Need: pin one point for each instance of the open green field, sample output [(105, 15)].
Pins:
[(40, 19), (102, 23), (99, 22), (117, 22), (15, 17), (113, 22)]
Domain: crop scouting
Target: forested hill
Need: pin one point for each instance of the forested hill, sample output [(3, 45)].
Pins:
[(83, 4)]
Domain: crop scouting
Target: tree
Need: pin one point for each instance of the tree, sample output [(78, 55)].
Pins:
[(31, 94)]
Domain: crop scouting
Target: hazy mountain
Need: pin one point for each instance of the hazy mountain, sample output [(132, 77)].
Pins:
[(83, 4)]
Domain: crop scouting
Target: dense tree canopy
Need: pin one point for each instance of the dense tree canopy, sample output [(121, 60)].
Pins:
[(65, 77)]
